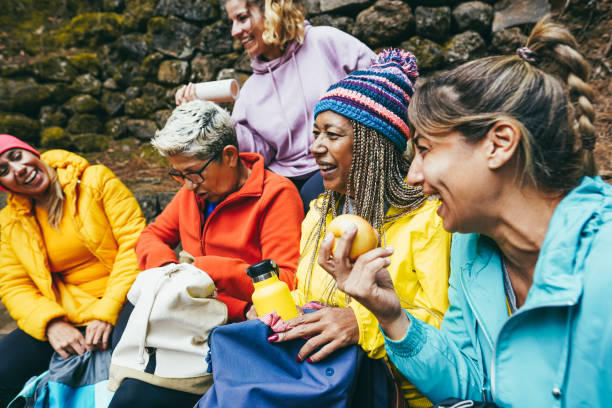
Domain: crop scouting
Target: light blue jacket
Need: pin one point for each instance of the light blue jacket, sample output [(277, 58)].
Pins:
[(556, 350)]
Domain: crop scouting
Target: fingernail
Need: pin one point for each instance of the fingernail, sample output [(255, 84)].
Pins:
[(328, 237), (309, 360), (298, 359), (389, 248), (352, 228), (273, 337)]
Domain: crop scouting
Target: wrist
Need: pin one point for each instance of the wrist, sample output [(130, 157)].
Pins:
[(395, 328)]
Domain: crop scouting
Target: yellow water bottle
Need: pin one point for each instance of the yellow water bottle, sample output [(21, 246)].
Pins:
[(271, 294)]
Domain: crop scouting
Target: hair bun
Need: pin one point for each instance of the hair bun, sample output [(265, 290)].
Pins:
[(401, 57)]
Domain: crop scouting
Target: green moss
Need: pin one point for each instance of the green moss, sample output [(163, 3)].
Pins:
[(55, 138), (90, 142), (89, 29), (137, 12), (150, 65), (428, 53), (157, 24), (85, 62), (151, 155), (21, 126)]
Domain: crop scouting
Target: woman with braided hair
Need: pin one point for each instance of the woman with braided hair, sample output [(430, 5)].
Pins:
[(360, 139), (507, 143)]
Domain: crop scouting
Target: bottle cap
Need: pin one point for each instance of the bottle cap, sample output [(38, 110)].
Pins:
[(262, 268)]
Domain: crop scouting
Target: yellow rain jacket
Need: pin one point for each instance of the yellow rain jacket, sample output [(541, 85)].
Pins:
[(419, 269), (108, 219)]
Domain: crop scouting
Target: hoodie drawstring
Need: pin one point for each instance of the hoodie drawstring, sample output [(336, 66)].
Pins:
[(281, 109)]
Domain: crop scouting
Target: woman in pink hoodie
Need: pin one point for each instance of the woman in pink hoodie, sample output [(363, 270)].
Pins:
[(293, 65)]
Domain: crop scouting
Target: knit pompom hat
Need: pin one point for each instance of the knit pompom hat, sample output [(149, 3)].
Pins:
[(378, 96), (8, 142)]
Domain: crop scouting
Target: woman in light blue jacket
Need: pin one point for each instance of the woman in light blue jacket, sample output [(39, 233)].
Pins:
[(507, 143)]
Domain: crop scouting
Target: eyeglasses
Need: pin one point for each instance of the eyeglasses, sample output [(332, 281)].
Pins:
[(195, 177)]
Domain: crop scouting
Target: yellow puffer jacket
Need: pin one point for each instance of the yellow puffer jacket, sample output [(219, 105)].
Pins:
[(108, 219), (419, 269)]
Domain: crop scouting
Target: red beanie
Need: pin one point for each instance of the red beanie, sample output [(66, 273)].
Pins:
[(8, 142)]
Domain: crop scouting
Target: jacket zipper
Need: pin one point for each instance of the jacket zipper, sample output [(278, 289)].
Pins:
[(214, 212), (484, 330)]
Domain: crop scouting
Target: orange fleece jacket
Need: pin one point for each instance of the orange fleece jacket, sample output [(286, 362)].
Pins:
[(261, 220)]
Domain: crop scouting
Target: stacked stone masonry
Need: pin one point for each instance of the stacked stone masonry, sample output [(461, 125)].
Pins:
[(76, 76)]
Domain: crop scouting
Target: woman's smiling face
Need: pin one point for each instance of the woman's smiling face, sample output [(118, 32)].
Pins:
[(452, 168), (332, 149), (248, 27), (22, 172)]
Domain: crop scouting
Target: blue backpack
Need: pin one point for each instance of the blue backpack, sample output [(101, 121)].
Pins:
[(75, 382), (248, 371)]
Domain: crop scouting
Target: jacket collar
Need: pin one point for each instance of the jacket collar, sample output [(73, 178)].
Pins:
[(558, 275), (253, 186), (559, 272), (69, 167), (261, 66)]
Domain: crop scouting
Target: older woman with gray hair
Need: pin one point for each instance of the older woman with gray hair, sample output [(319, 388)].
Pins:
[(229, 213)]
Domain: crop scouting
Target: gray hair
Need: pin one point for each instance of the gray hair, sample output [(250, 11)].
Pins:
[(196, 129)]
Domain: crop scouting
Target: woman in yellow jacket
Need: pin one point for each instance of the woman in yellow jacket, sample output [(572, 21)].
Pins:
[(66, 257), (360, 138)]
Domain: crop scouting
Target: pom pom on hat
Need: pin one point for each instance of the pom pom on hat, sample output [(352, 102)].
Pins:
[(403, 58), (378, 96)]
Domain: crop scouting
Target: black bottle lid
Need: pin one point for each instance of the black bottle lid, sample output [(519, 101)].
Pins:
[(262, 268)]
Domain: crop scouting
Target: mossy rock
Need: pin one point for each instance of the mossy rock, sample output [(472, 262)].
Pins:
[(117, 127), (60, 92), (90, 142), (22, 95), (90, 30), (87, 84), (141, 129), (55, 68), (464, 47), (173, 72), (174, 37), (55, 138), (150, 154), (140, 107), (429, 54), (150, 65), (82, 104), (51, 117), (137, 13), (85, 123), (86, 62), (19, 67), (25, 128), (112, 102)]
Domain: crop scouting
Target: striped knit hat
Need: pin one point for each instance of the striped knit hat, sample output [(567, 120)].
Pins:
[(378, 96)]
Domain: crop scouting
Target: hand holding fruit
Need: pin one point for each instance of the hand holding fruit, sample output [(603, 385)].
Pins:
[(365, 240), (367, 280)]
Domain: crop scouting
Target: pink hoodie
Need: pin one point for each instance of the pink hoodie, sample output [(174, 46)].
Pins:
[(273, 114)]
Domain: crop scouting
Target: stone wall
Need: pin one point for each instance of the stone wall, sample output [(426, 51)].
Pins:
[(77, 74)]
